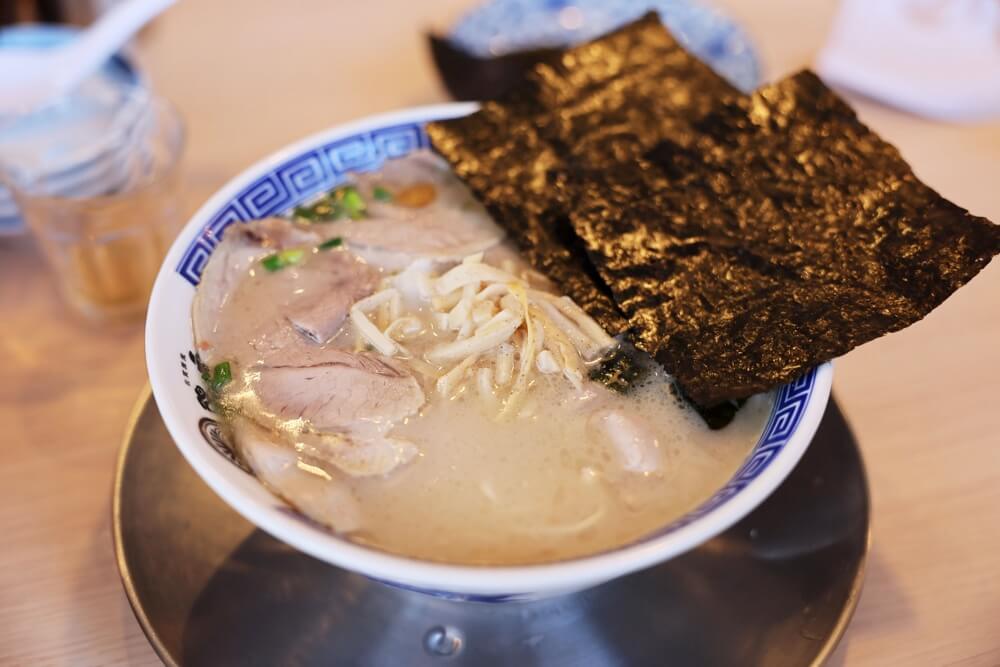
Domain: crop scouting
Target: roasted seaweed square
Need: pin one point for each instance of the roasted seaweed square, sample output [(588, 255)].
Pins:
[(784, 234), (597, 103), (738, 239)]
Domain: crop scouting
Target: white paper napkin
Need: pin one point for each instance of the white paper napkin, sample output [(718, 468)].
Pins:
[(937, 58)]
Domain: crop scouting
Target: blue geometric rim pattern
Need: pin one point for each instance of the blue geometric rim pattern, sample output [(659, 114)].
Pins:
[(303, 176), (299, 178)]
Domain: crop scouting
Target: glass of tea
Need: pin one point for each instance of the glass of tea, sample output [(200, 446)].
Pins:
[(105, 223)]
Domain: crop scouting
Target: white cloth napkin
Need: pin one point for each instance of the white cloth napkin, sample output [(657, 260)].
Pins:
[(937, 58)]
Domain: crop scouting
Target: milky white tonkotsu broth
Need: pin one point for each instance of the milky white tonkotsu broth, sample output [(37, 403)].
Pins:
[(399, 375)]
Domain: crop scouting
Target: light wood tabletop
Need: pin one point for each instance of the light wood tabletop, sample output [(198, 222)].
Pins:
[(251, 76)]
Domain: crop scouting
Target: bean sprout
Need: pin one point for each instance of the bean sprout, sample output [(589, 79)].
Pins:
[(504, 363), (484, 384), (367, 329), (450, 381), (492, 334), (527, 356), (546, 363), (403, 327), (463, 274), (485, 314)]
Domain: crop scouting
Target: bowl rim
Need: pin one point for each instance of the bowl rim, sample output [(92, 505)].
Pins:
[(485, 580)]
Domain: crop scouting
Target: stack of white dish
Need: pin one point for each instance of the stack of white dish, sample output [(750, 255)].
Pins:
[(79, 146)]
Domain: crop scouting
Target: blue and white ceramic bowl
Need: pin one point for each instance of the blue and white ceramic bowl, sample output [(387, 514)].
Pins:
[(292, 176), (497, 27)]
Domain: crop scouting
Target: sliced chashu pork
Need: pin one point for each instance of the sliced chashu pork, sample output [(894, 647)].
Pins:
[(336, 390), (344, 280), (348, 402), (405, 177), (243, 312), (629, 439), (625, 436), (443, 223), (269, 323), (242, 246), (309, 488)]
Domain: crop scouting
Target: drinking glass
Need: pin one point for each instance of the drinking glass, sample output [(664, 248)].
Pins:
[(105, 225)]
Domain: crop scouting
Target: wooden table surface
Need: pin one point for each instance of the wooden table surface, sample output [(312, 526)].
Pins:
[(251, 76)]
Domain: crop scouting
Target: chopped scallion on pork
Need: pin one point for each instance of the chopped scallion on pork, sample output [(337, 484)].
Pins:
[(335, 242), (342, 202), (280, 260), (221, 375)]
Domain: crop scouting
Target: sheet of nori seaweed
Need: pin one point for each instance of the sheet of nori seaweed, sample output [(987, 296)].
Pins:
[(782, 234), (470, 77), (604, 101)]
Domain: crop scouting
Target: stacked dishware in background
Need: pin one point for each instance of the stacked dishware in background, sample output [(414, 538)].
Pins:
[(93, 175), (500, 27), (68, 144)]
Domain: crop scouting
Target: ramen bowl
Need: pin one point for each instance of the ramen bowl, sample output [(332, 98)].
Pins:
[(293, 176)]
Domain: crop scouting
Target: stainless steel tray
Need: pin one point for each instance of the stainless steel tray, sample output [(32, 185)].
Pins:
[(209, 589)]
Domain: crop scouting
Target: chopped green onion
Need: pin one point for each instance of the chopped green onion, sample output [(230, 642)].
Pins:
[(280, 260), (352, 203), (292, 256), (335, 242), (271, 262), (305, 212), (381, 194), (342, 202), (221, 376)]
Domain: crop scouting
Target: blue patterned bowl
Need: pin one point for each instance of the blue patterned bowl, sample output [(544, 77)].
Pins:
[(497, 27), (292, 176)]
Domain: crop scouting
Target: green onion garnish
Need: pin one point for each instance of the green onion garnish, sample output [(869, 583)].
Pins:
[(352, 203), (342, 202), (381, 194), (221, 376), (280, 260), (335, 242), (305, 212)]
